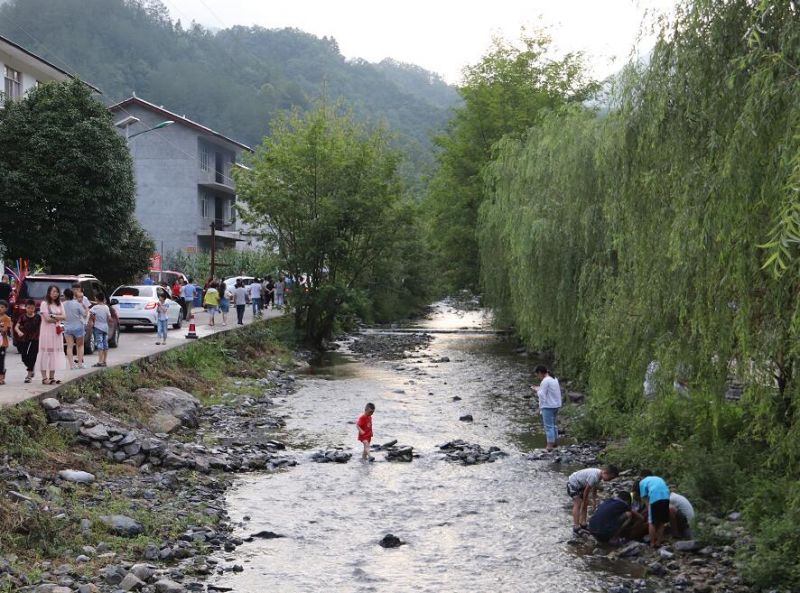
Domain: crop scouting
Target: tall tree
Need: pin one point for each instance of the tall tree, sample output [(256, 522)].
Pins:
[(328, 191), (66, 185), (506, 93)]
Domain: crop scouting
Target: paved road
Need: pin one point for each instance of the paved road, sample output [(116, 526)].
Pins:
[(133, 344)]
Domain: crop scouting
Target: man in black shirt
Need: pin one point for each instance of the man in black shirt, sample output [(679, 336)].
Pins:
[(5, 289)]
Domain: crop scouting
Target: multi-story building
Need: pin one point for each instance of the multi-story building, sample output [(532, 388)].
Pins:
[(183, 173), (23, 70)]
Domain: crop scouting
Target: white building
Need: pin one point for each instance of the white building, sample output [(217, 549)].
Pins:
[(23, 70)]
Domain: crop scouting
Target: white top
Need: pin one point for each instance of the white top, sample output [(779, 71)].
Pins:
[(255, 290), (549, 393), (585, 477), (682, 504)]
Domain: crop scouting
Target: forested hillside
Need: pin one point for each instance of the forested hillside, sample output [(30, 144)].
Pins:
[(234, 80)]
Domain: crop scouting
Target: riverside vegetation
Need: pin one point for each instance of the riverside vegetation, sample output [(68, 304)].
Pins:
[(661, 231), (150, 497)]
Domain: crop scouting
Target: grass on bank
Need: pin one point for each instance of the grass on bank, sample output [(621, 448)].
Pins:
[(206, 368)]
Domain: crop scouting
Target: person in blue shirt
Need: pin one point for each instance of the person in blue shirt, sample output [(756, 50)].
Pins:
[(187, 292), (654, 492), (148, 281)]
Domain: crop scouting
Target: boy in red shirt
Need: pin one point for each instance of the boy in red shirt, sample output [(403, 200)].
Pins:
[(364, 426)]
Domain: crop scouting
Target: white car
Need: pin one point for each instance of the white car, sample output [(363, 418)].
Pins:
[(136, 305), (230, 283)]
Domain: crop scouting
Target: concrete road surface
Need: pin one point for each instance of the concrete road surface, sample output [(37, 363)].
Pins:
[(133, 344)]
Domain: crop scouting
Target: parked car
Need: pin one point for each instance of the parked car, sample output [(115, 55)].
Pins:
[(168, 276), (231, 282), (137, 306), (35, 287)]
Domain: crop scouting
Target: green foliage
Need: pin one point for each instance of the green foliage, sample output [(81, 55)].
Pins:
[(508, 91), (229, 262), (25, 434), (234, 80), (66, 185), (640, 236), (327, 190)]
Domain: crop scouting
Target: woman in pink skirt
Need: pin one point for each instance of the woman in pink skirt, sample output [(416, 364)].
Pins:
[(51, 337)]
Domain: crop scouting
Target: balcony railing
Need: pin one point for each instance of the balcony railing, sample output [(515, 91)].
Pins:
[(220, 224)]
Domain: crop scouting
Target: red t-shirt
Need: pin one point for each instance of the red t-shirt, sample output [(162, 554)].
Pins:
[(365, 424)]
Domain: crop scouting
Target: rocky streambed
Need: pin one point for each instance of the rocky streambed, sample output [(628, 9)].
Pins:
[(266, 490)]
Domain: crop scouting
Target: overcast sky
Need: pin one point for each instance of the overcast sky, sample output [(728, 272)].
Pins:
[(440, 35)]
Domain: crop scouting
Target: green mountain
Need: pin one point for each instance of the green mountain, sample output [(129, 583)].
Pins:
[(234, 80)]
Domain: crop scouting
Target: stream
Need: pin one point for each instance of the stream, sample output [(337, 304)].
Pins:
[(500, 527)]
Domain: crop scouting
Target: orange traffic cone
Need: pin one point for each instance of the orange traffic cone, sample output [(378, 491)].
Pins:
[(192, 335)]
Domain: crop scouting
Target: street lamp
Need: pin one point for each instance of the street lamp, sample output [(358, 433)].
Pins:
[(130, 120)]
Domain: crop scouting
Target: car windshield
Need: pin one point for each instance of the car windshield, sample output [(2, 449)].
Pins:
[(35, 288), (134, 291)]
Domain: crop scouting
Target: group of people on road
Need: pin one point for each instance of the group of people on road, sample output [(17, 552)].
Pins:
[(646, 512), (41, 336), (259, 294)]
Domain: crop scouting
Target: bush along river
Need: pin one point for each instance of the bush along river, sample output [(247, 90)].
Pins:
[(457, 502), (131, 483)]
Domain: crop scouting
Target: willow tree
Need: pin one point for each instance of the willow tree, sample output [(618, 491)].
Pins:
[(328, 192), (643, 236), (509, 90)]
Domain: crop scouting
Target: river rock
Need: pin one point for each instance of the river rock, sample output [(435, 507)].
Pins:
[(686, 546), (390, 541), (404, 454), (173, 408), (131, 583), (460, 451), (267, 535), (97, 432), (79, 477), (50, 404), (168, 586), (331, 456), (122, 525)]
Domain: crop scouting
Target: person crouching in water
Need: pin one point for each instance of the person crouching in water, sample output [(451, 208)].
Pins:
[(615, 519), (364, 426), (580, 485)]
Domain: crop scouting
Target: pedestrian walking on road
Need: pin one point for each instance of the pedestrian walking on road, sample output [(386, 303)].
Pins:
[(549, 395), (27, 330), (269, 293), (240, 300), (187, 293), (280, 288), (101, 315), (255, 296), (5, 331), (225, 296), (74, 328), (162, 311), (51, 337), (211, 301)]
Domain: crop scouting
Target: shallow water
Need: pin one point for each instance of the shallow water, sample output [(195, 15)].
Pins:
[(494, 527)]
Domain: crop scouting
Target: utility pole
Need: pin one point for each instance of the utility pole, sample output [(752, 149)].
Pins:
[(213, 249)]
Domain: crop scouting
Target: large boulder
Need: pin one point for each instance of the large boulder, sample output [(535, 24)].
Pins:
[(172, 408)]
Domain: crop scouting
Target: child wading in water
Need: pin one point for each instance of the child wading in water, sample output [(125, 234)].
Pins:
[(364, 425)]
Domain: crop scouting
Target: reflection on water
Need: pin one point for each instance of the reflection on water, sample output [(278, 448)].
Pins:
[(494, 527)]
